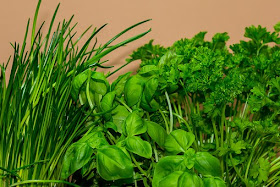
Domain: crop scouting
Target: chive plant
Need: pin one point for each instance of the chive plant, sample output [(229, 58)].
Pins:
[(38, 117)]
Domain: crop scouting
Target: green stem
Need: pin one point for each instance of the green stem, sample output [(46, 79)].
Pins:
[(139, 167), (165, 121), (170, 111), (123, 103), (216, 133)]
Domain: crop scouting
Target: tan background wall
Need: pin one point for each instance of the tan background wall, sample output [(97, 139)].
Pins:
[(172, 19)]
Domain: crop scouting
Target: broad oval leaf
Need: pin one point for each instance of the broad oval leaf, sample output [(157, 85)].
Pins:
[(113, 163), (150, 88), (119, 114), (156, 132), (99, 83), (76, 156), (178, 141), (213, 182), (94, 139), (119, 83), (148, 70), (133, 90), (166, 166), (134, 124), (78, 82), (107, 104), (171, 179), (138, 146), (207, 164), (190, 179)]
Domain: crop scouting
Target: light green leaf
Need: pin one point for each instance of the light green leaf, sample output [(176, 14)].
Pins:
[(94, 139), (190, 179), (99, 83), (148, 70), (133, 90), (213, 182), (138, 146), (113, 163), (178, 141), (207, 164), (107, 104), (119, 83), (78, 82), (156, 132), (166, 166), (119, 115), (76, 156), (134, 124)]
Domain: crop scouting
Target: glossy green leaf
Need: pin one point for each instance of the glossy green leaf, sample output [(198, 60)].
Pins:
[(171, 179), (78, 82), (156, 132), (207, 164), (190, 179), (76, 156), (148, 70), (133, 90), (119, 115), (113, 163), (178, 141), (107, 104), (166, 166), (119, 83), (190, 158), (213, 182), (134, 124), (94, 139), (138, 146), (99, 83)]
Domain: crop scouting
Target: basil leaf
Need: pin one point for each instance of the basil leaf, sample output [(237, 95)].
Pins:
[(99, 83), (76, 156), (77, 83), (171, 179), (118, 85), (166, 166), (138, 146), (148, 70), (213, 182), (156, 132), (133, 90), (107, 104), (94, 139), (190, 179), (147, 101), (119, 115), (207, 164), (134, 125), (178, 141), (113, 163)]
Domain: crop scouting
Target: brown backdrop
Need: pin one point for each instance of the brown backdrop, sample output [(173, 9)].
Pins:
[(172, 19)]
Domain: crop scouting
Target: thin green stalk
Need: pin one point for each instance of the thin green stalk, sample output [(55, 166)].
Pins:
[(165, 121), (170, 112), (139, 167)]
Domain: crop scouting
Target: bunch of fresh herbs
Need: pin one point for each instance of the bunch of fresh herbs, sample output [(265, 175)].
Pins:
[(197, 113)]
